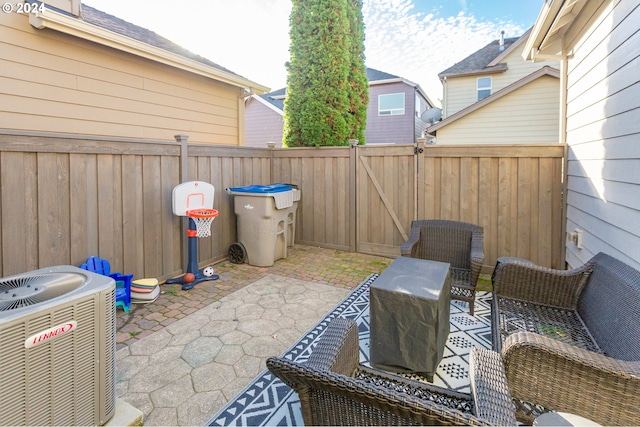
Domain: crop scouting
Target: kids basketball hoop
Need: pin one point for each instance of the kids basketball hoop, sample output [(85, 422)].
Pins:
[(203, 218), (194, 200)]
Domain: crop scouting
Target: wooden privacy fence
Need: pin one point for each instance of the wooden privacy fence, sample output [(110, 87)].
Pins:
[(64, 198)]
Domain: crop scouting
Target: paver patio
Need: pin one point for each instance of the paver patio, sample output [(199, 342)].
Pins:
[(325, 266), (185, 355)]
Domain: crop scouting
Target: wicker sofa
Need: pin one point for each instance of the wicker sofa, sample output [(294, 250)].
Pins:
[(456, 242), (336, 390), (570, 339)]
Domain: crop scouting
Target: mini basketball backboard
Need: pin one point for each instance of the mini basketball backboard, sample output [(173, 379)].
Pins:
[(192, 195)]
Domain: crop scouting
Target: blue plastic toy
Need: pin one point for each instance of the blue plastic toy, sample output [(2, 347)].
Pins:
[(123, 281), (123, 290)]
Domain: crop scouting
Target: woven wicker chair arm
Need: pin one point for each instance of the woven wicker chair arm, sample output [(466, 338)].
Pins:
[(406, 247), (489, 387), (329, 398), (570, 379), (541, 285), (477, 260), (338, 350)]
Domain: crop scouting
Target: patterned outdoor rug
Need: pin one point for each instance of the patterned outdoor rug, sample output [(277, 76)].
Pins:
[(266, 401)]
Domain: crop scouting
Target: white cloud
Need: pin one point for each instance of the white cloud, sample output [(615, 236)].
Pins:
[(418, 46), (251, 37)]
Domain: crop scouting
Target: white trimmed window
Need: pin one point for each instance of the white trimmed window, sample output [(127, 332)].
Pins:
[(484, 87), (391, 104)]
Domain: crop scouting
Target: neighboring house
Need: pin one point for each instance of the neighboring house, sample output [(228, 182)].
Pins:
[(264, 119), (599, 43), (396, 112), (494, 97), (76, 70)]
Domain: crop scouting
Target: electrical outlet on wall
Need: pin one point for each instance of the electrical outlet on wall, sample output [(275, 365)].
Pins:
[(575, 237), (578, 240)]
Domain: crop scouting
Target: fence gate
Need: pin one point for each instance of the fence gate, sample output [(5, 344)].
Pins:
[(386, 188)]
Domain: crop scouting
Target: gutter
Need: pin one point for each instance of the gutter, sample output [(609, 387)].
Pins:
[(77, 28), (499, 68), (265, 103)]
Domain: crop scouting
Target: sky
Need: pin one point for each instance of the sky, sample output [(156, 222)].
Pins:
[(413, 39)]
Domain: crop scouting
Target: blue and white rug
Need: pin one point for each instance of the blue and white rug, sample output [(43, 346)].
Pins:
[(266, 401)]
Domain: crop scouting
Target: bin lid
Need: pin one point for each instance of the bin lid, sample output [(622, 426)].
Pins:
[(262, 189), (283, 194)]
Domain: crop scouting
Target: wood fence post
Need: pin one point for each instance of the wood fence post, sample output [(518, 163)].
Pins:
[(419, 186), (353, 195), (184, 156), (271, 146), (184, 177)]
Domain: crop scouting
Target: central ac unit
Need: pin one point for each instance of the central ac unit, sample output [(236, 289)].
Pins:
[(57, 347)]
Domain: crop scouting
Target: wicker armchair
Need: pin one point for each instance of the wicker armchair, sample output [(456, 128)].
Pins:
[(458, 243), (336, 390), (570, 339)]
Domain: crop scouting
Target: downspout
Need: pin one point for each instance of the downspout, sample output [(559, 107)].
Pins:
[(245, 93), (562, 137), (445, 112)]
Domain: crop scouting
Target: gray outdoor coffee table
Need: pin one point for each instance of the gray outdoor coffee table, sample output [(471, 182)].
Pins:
[(409, 316)]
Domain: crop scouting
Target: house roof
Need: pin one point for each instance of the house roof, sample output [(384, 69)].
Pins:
[(544, 71), (127, 29), (554, 21), (101, 28), (376, 75), (273, 101), (276, 97), (485, 60)]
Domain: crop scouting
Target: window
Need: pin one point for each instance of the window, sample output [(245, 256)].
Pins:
[(418, 106), (484, 87), (391, 104)]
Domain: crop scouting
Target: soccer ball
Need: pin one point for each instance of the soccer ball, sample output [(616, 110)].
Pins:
[(208, 271)]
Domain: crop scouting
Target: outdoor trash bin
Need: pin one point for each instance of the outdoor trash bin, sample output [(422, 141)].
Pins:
[(266, 217)]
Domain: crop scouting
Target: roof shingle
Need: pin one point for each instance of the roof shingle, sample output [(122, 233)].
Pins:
[(127, 29), (479, 60)]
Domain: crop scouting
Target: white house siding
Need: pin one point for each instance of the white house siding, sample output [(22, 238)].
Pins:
[(509, 119), (262, 125), (603, 134), (462, 91), (53, 82), (391, 129)]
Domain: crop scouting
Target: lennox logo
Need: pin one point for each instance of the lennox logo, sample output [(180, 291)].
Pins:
[(44, 336)]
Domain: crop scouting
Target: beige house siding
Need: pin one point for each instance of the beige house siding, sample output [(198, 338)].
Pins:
[(460, 92), (53, 82), (603, 130), (523, 116)]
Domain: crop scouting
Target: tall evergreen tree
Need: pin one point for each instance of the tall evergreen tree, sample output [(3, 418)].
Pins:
[(358, 82), (318, 110)]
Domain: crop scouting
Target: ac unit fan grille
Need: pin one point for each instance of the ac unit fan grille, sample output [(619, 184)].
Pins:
[(24, 291)]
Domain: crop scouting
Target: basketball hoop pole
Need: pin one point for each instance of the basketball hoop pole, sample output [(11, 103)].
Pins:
[(192, 242)]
